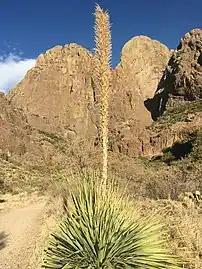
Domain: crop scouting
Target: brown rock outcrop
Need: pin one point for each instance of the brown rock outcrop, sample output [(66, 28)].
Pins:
[(58, 90), (14, 129), (150, 143), (186, 66), (171, 134), (183, 75), (136, 78), (143, 61), (22, 143)]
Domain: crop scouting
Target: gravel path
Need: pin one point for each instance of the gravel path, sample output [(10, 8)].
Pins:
[(19, 231)]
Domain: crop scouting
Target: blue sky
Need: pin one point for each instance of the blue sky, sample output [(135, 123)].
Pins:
[(30, 27)]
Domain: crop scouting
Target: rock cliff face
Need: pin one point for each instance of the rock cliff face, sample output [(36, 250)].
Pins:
[(183, 75), (14, 129), (136, 78), (143, 62), (128, 137), (60, 88), (59, 95), (186, 66)]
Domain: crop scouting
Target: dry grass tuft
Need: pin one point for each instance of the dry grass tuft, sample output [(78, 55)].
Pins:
[(184, 226)]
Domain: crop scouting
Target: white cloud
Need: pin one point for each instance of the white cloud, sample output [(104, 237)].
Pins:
[(12, 70)]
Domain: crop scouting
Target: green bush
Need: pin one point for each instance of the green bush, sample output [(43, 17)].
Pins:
[(102, 230)]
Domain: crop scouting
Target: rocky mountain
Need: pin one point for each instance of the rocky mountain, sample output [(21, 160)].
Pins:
[(62, 91), (19, 141), (59, 93), (52, 116)]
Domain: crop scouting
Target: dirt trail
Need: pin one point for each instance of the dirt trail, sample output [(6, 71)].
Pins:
[(21, 226)]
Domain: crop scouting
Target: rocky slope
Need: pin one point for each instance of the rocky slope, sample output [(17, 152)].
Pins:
[(14, 129), (21, 142)]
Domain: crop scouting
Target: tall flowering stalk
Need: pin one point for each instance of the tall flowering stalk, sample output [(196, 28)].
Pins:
[(103, 77)]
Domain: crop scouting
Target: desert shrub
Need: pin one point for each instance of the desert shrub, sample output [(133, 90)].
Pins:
[(102, 229), (167, 182), (178, 113), (16, 178)]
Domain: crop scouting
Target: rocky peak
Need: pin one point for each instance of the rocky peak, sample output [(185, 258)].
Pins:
[(136, 78), (187, 66), (183, 75), (59, 54), (191, 41), (145, 60), (58, 89)]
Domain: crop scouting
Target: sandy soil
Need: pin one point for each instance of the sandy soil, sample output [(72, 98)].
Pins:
[(24, 225)]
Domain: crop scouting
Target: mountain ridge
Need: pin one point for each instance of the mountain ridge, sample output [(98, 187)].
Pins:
[(59, 101)]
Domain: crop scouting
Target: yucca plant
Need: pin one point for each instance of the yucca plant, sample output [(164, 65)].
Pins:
[(102, 229), (106, 231)]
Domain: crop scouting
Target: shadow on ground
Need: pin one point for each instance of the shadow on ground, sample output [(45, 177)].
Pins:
[(3, 240)]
